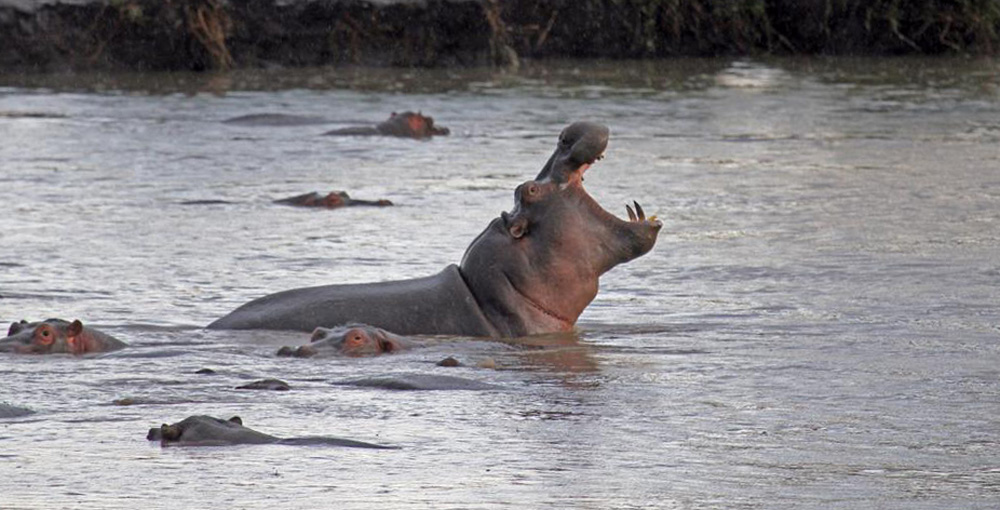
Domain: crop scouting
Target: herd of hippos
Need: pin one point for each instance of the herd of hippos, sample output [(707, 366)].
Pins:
[(533, 270)]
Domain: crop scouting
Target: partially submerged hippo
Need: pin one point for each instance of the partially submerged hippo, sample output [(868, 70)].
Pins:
[(203, 430), (275, 120), (13, 411), (406, 125), (420, 382), (354, 340), (331, 200), (532, 270), (56, 336)]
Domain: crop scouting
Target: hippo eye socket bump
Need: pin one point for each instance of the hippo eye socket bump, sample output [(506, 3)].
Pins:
[(45, 336)]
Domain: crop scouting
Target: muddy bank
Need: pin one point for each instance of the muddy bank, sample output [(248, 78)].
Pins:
[(46, 35)]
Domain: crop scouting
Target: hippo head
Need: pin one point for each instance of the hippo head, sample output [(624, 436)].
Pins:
[(535, 269), (175, 433), (411, 125), (47, 337), (204, 430), (355, 340)]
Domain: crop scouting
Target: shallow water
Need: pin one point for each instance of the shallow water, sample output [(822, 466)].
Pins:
[(817, 327)]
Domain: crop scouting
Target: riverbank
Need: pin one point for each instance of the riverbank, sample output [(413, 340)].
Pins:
[(141, 35)]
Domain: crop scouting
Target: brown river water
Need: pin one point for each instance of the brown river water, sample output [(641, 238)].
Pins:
[(818, 326)]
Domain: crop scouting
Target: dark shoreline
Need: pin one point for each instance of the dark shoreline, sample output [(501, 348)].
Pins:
[(147, 35)]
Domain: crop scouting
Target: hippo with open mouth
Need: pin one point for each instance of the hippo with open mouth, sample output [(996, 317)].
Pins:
[(533, 270), (56, 336), (354, 340)]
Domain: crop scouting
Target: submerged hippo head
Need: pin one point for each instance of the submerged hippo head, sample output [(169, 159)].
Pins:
[(412, 125), (355, 340), (56, 336), (207, 431), (535, 269)]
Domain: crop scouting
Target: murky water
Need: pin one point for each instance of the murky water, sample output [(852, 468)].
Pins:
[(818, 326)]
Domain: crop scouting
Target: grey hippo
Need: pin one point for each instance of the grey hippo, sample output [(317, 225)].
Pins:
[(57, 336), (404, 125), (332, 200), (531, 271), (354, 340), (201, 430)]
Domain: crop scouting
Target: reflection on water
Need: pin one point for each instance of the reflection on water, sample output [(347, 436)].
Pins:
[(820, 313)]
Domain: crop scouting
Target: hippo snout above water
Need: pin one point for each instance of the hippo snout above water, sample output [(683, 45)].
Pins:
[(57, 336), (355, 340), (332, 200), (404, 125), (533, 270)]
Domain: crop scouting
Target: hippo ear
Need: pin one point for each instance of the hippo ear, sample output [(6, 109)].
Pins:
[(518, 228), (384, 346), (75, 328), (16, 327)]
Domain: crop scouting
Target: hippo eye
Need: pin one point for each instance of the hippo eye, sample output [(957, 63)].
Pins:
[(532, 189), (45, 336)]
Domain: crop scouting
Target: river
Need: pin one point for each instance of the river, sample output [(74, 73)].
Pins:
[(817, 327)]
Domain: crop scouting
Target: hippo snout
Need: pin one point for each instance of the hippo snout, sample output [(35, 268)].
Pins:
[(303, 351)]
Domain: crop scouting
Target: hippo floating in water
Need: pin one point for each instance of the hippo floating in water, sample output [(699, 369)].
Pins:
[(532, 270), (56, 336), (405, 125), (209, 431), (355, 340), (275, 120), (331, 200), (420, 382)]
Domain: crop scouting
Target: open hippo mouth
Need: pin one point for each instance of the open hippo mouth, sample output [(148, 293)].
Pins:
[(580, 146), (546, 254)]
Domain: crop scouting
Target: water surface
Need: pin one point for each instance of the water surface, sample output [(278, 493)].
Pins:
[(817, 327)]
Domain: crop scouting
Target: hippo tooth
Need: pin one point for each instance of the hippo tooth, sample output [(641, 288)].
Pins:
[(638, 209), (631, 213)]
